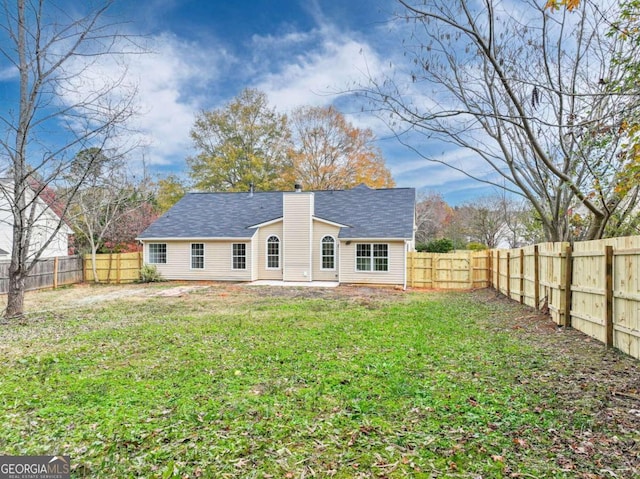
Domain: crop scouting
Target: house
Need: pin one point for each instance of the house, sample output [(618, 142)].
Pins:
[(359, 235), (46, 218)]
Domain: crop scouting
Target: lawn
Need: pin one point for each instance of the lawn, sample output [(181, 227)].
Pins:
[(224, 381)]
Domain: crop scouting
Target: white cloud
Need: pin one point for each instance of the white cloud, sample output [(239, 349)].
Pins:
[(318, 76), (9, 73), (169, 81)]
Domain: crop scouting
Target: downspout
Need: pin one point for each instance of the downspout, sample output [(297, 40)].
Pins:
[(406, 251), (144, 254)]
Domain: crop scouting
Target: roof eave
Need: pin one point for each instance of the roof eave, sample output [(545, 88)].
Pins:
[(266, 223), (196, 238), (329, 222), (364, 238)]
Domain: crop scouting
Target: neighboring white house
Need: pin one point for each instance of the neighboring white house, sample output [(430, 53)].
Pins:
[(45, 224), (359, 235)]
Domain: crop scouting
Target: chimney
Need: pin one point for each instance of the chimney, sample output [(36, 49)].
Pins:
[(250, 189), (298, 187)]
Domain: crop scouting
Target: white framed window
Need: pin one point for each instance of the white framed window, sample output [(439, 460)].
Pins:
[(239, 256), (372, 257), (273, 252), (157, 253), (328, 253), (197, 255)]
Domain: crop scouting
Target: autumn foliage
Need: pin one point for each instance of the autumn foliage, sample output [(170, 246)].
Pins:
[(556, 4), (330, 153), (246, 142)]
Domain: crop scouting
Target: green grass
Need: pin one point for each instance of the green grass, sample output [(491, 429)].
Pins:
[(245, 386)]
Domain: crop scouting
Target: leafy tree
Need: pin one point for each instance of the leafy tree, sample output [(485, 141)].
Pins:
[(169, 191), (245, 142), (526, 92), (60, 106), (137, 215), (330, 153)]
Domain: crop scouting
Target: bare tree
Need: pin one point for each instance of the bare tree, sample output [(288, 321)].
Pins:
[(432, 216), (528, 92), (65, 104), (485, 220), (103, 206)]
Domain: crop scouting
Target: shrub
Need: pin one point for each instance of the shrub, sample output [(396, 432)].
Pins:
[(421, 247), (150, 274), (442, 245), (476, 246)]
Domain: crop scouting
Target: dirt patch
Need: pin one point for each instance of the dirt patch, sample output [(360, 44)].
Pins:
[(366, 296), (86, 294)]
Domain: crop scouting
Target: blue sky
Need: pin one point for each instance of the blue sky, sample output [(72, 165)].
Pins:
[(299, 52)]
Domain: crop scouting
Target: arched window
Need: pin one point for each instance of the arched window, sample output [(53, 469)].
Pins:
[(273, 252), (328, 252)]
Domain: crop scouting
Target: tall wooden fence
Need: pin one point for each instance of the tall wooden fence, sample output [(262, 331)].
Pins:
[(116, 268), (461, 270), (593, 286), (47, 273)]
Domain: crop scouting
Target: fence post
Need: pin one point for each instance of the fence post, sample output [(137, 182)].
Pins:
[(509, 274), (55, 272), (521, 276), (490, 268), (568, 276), (434, 273), (118, 265), (608, 250), (536, 277), (412, 268), (498, 270)]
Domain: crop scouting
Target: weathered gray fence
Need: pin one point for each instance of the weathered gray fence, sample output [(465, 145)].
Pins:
[(47, 273)]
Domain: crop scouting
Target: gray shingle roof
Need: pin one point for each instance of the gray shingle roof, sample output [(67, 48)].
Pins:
[(368, 213)]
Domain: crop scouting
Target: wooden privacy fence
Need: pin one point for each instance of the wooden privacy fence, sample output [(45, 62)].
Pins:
[(593, 286), (47, 273), (535, 275), (460, 270), (115, 268)]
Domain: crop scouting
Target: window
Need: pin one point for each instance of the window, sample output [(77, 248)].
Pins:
[(197, 255), (380, 257), (328, 247), (372, 257), (157, 253), (239, 256), (273, 252)]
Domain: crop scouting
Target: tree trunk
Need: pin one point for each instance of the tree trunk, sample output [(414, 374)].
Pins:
[(94, 266), (15, 296)]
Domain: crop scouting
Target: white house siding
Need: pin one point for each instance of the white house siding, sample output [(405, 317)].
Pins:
[(261, 244), (320, 230), (45, 224), (254, 264), (395, 275), (217, 261), (297, 236)]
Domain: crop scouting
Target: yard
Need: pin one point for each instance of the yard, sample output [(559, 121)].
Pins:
[(211, 380)]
